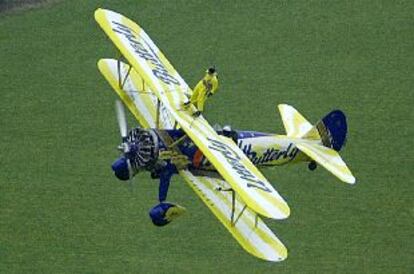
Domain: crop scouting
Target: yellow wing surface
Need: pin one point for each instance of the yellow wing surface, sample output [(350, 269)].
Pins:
[(170, 88), (138, 97), (245, 226)]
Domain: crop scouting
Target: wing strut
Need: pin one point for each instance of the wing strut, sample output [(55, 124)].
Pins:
[(182, 138), (157, 121), (126, 76), (118, 65), (240, 214), (233, 221), (121, 82)]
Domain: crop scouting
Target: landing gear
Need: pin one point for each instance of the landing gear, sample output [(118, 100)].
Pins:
[(163, 213), (312, 166)]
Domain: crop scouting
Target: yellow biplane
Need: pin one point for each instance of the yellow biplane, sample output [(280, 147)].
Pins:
[(219, 164)]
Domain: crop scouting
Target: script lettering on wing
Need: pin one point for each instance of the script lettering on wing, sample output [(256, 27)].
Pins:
[(234, 160), (145, 52)]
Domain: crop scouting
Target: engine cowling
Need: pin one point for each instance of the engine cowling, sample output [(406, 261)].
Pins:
[(143, 148), (140, 152)]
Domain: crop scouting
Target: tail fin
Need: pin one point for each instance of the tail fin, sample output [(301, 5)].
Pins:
[(330, 130)]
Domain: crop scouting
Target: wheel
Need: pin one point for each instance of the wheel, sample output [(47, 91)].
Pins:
[(312, 165)]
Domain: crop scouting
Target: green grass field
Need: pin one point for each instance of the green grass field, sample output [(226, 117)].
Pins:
[(61, 209)]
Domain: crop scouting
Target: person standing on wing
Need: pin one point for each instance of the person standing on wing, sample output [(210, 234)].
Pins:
[(205, 88)]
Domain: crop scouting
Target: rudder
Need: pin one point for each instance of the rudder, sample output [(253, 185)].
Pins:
[(331, 130)]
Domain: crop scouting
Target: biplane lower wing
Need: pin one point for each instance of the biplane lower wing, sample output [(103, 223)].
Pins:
[(170, 88), (243, 223), (138, 97)]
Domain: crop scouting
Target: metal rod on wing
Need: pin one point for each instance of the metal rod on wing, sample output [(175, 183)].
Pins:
[(157, 123), (126, 76), (182, 138), (233, 206), (118, 65), (240, 214)]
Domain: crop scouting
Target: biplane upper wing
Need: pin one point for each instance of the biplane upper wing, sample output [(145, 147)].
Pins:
[(170, 88), (138, 97), (140, 51), (243, 223)]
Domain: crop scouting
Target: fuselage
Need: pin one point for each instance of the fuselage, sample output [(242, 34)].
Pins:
[(263, 149)]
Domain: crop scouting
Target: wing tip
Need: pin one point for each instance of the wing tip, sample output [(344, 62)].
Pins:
[(284, 254), (279, 212), (100, 62), (281, 107), (97, 12), (277, 259), (286, 211), (351, 180), (280, 254)]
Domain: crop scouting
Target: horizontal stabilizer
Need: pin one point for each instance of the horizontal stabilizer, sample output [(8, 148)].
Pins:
[(329, 159), (245, 226), (295, 124)]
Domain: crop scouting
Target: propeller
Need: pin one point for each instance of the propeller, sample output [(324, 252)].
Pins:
[(120, 115), (122, 123), (123, 130)]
